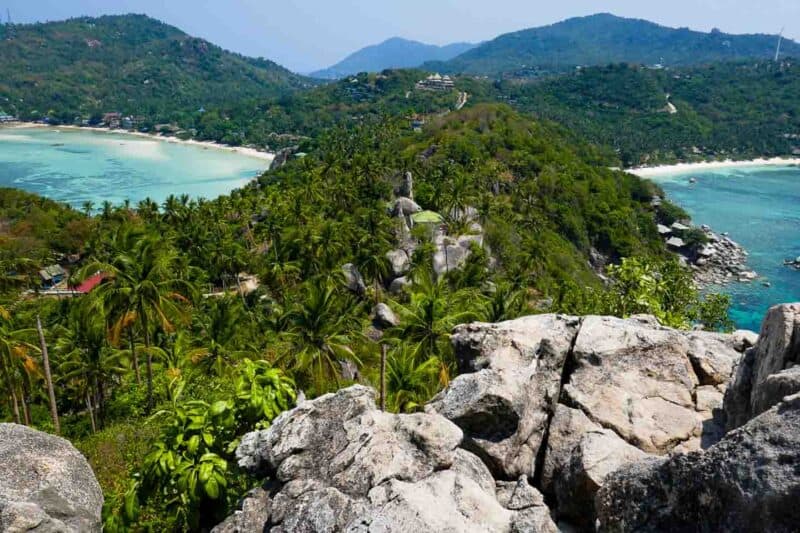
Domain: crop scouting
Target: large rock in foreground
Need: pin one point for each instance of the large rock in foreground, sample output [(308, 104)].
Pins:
[(342, 465), (749, 481), (46, 485), (566, 401)]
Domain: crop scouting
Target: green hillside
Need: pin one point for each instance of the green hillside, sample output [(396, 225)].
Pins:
[(604, 38), (728, 110), (131, 64)]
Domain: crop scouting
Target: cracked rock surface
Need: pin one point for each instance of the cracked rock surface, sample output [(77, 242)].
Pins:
[(566, 400), (343, 465)]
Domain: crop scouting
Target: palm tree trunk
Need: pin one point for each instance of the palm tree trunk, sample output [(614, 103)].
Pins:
[(48, 377), (15, 406), (134, 357), (91, 411), (383, 377), (26, 414), (150, 400), (98, 400)]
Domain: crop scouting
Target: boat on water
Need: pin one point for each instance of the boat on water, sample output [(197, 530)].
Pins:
[(692, 180)]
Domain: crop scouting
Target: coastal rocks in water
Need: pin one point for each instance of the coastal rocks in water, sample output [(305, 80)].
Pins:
[(46, 484), (385, 317), (749, 481), (760, 380), (342, 465), (353, 279), (718, 262), (510, 383)]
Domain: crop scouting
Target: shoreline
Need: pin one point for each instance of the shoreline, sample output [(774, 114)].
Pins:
[(682, 168), (241, 150)]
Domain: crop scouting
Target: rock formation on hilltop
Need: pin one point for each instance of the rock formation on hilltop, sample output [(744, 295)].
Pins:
[(46, 485), (340, 464), (588, 422)]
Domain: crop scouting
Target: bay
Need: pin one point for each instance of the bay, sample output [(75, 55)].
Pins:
[(76, 166), (760, 208)]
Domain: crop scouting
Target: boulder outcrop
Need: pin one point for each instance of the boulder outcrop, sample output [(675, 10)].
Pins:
[(749, 481), (765, 375), (340, 464), (46, 485), (566, 400)]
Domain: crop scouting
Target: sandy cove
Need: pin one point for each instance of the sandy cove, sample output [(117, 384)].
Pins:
[(680, 168), (249, 152)]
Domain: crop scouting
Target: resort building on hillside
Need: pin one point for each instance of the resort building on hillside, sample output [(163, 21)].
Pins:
[(436, 82)]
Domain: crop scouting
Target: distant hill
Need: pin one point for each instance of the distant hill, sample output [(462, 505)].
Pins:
[(604, 38), (131, 64), (393, 53)]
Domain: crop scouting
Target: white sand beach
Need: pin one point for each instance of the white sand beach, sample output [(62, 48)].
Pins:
[(249, 152), (681, 168)]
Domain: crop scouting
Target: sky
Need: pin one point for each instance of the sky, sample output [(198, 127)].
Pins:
[(306, 35)]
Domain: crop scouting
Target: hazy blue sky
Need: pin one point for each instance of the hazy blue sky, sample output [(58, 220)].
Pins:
[(308, 34)]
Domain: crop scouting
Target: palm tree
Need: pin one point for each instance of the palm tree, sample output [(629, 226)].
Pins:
[(322, 329), (16, 363), (221, 327), (143, 289), (87, 361), (410, 383), (429, 318)]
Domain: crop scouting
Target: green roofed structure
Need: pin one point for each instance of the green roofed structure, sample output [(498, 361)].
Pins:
[(427, 217)]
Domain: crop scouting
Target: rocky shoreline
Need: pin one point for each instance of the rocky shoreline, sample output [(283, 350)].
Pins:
[(718, 261)]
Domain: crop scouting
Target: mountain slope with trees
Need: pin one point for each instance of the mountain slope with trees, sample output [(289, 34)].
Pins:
[(605, 38), (131, 64), (162, 368), (391, 54)]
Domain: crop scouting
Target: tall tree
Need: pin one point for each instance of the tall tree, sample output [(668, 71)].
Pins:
[(142, 288)]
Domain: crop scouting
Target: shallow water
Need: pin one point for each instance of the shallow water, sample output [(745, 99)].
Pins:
[(760, 208), (78, 166)]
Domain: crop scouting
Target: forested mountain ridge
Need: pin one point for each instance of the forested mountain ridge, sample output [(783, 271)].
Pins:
[(605, 38), (131, 64), (735, 110), (392, 53)]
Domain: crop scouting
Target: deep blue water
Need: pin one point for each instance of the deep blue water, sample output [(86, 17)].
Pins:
[(76, 166), (760, 208)]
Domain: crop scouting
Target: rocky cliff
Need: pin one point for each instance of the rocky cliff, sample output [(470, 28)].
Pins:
[(588, 423)]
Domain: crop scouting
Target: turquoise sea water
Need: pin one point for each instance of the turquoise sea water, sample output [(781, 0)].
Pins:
[(76, 166), (760, 208)]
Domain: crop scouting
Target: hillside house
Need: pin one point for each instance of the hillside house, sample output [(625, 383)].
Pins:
[(52, 275)]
